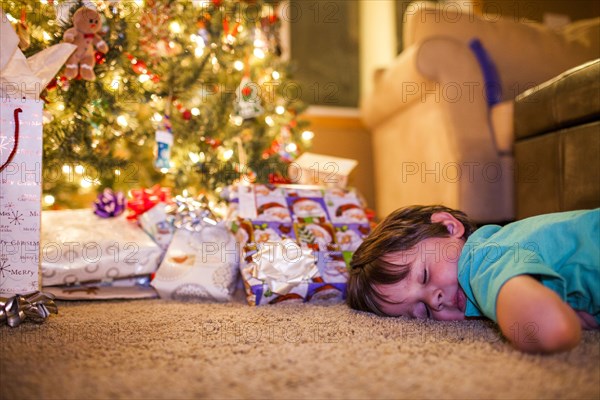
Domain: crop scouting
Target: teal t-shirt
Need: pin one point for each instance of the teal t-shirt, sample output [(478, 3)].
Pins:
[(560, 250)]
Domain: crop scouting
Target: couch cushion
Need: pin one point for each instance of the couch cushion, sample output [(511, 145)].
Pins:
[(558, 171), (501, 117), (571, 98)]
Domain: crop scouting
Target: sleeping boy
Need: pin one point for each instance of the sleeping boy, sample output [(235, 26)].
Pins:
[(538, 278)]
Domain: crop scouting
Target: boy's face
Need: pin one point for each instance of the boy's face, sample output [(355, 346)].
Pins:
[(431, 288)]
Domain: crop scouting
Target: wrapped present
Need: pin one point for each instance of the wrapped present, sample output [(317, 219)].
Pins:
[(320, 169), (78, 246), (199, 265), (156, 223), (21, 81), (127, 288), (296, 240), (149, 208)]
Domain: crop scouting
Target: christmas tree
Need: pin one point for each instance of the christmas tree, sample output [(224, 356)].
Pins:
[(188, 94)]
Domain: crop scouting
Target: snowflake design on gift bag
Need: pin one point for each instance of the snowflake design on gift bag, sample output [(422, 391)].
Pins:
[(10, 204), (4, 266), (16, 218), (5, 145)]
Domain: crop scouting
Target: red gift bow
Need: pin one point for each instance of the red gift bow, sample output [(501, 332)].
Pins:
[(143, 200)]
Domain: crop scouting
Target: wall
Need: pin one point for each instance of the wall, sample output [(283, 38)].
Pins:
[(378, 45), (345, 136), (536, 9), (324, 50)]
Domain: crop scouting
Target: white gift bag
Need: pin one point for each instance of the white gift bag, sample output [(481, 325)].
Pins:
[(20, 192), (21, 81)]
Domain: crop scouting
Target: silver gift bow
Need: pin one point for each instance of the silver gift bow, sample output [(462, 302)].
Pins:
[(36, 306), (283, 265), (191, 214)]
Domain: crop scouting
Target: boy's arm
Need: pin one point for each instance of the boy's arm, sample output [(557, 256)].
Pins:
[(534, 318), (587, 320)]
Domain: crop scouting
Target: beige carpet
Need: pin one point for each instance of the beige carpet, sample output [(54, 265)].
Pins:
[(158, 349)]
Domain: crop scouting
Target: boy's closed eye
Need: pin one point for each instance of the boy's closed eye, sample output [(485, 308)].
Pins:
[(425, 280)]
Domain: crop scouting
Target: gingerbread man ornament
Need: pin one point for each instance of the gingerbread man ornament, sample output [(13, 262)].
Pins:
[(83, 34)]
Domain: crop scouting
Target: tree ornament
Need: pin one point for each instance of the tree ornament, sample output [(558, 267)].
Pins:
[(248, 101), (86, 24), (164, 141), (203, 32), (154, 28), (23, 31), (212, 142), (100, 58), (52, 84), (139, 67)]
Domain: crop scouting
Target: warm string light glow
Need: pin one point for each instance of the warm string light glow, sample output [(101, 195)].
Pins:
[(11, 19), (49, 200), (77, 173), (307, 136), (227, 154), (175, 27), (122, 121), (238, 65), (259, 53)]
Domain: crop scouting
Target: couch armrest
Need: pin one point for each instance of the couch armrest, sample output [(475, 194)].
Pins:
[(441, 70), (395, 89), (461, 90)]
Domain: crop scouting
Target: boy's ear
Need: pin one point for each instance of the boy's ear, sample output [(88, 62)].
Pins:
[(454, 226)]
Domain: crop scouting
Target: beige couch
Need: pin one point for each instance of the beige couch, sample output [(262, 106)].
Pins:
[(435, 140)]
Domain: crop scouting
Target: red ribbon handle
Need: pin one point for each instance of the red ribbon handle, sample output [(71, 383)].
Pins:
[(14, 150)]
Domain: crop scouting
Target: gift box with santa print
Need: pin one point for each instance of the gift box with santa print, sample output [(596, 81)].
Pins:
[(296, 240), (21, 82)]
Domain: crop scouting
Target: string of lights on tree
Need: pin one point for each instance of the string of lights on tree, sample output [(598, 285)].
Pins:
[(190, 94)]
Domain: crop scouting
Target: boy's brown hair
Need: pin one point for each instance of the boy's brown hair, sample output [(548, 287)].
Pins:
[(399, 231)]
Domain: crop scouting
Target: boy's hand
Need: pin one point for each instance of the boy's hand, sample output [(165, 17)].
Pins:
[(534, 318)]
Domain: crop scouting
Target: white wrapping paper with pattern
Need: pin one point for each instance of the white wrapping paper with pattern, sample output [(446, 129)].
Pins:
[(78, 246)]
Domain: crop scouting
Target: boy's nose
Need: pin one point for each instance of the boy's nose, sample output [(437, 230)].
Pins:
[(437, 300)]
